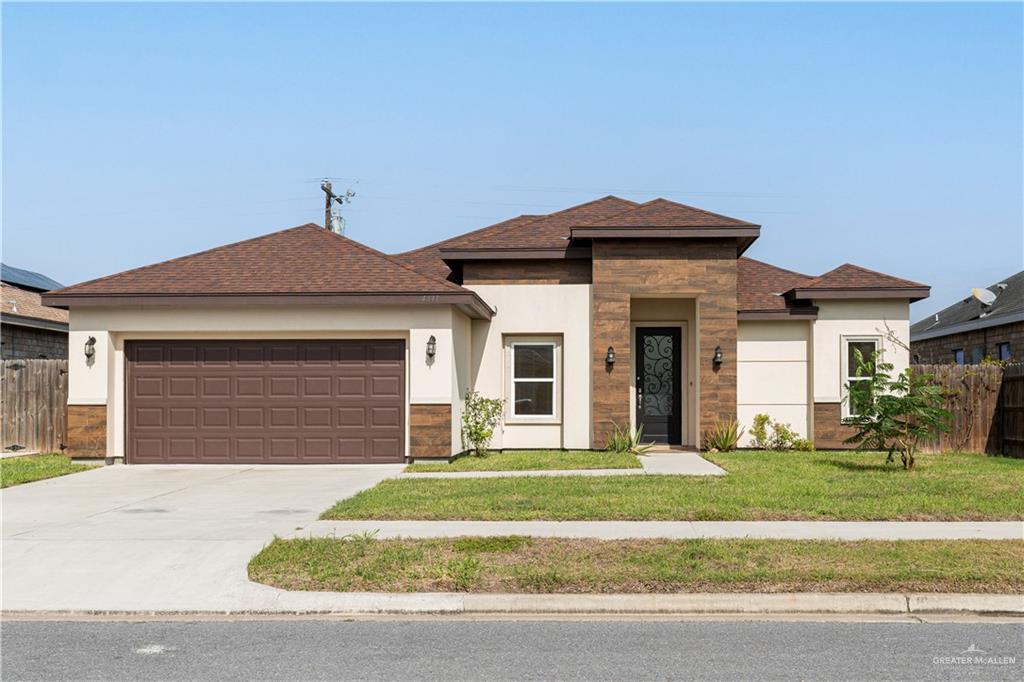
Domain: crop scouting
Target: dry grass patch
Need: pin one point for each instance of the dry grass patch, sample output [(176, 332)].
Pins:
[(512, 564)]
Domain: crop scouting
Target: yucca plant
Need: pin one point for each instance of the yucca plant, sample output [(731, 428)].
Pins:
[(624, 439), (723, 436)]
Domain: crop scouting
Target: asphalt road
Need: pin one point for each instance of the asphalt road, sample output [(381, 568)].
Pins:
[(504, 649)]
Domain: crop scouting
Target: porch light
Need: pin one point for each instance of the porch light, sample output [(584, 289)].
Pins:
[(609, 357), (718, 355), (431, 346), (90, 347)]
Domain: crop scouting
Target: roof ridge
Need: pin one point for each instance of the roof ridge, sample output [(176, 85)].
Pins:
[(663, 200), (775, 267), (863, 269), (188, 255), (380, 254)]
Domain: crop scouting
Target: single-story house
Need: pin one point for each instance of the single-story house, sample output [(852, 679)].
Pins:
[(988, 324), (305, 346), (29, 329)]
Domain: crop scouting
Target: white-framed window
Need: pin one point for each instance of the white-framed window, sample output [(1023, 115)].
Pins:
[(856, 382), (534, 377)]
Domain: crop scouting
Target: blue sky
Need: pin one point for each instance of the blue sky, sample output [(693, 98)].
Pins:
[(885, 135)]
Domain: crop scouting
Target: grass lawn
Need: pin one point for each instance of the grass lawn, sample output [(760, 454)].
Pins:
[(533, 460), (18, 470), (760, 485), (546, 565)]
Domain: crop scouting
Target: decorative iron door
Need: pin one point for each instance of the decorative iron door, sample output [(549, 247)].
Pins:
[(659, 394)]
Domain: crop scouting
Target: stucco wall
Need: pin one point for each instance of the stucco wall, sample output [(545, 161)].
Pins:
[(772, 374), (837, 319), (101, 381), (537, 310)]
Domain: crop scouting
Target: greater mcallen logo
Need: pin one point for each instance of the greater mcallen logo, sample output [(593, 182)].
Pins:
[(972, 655)]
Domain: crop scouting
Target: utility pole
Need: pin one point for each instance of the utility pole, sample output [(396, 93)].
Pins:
[(329, 195)]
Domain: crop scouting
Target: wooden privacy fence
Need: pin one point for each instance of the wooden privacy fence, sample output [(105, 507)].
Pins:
[(987, 403), (34, 395)]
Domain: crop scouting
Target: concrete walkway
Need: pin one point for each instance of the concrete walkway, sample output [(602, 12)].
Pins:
[(680, 530), (670, 464)]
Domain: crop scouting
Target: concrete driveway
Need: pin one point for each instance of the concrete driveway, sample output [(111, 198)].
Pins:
[(160, 538)]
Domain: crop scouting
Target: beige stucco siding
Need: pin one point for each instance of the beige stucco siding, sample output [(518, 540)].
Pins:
[(102, 380), (537, 310), (837, 319), (772, 374)]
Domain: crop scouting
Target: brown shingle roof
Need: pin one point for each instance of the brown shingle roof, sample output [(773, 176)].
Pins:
[(301, 260), (18, 301), (760, 286), (850, 276), (665, 213)]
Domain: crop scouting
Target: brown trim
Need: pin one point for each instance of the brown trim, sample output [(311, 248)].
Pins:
[(34, 322), (470, 303), (663, 232), (829, 430), (430, 430), (512, 254), (803, 314), (911, 293)]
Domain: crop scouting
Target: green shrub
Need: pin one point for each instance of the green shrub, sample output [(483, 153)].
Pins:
[(723, 436), (480, 417), (772, 435), (625, 440)]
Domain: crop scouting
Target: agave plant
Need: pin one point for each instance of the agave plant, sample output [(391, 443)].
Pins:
[(723, 436), (624, 439)]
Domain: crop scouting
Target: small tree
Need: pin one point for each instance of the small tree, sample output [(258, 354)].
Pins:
[(479, 419), (894, 414)]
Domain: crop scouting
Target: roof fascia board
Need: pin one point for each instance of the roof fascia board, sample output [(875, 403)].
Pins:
[(912, 293), (969, 326), (470, 301), (809, 313), (34, 322)]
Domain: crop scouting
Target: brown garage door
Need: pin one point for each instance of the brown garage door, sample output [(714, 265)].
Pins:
[(272, 402)]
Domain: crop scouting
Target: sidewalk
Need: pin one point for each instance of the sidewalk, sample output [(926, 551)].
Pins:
[(671, 464), (679, 530)]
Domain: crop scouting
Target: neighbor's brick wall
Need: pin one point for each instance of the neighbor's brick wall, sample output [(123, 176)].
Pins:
[(829, 429), (87, 431), (703, 269), (939, 351), (430, 430), (21, 343)]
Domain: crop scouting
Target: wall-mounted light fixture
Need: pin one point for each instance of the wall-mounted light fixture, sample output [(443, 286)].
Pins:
[(90, 347), (609, 357), (431, 347), (718, 356)]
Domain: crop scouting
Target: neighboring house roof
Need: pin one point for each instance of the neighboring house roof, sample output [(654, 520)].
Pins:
[(305, 262), (23, 307), (853, 281), (26, 279), (970, 314)]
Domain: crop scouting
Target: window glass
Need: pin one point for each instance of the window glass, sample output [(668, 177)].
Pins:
[(958, 356), (977, 355), (534, 398), (534, 361), (533, 380), (1004, 351), (866, 348)]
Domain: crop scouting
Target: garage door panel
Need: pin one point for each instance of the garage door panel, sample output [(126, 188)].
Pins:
[(266, 402)]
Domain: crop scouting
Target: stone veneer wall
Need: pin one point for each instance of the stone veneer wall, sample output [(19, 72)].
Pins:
[(653, 268), (430, 430), (829, 429), (87, 431)]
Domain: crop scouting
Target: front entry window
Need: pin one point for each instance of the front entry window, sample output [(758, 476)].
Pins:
[(659, 384)]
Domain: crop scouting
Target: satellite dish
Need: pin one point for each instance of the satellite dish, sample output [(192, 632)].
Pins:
[(984, 295)]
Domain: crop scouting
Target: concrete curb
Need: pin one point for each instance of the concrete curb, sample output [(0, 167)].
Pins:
[(454, 603)]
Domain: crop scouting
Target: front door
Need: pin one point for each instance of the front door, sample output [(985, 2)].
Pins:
[(659, 394)]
